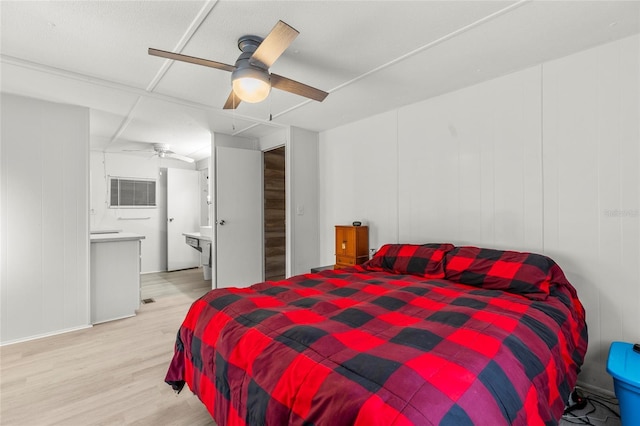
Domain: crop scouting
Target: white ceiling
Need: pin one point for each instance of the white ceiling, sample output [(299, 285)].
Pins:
[(371, 56)]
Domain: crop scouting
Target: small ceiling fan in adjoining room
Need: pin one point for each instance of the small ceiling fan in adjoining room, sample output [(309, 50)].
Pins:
[(251, 80), (163, 150)]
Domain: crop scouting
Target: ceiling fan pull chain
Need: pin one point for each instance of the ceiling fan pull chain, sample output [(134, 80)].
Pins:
[(233, 116)]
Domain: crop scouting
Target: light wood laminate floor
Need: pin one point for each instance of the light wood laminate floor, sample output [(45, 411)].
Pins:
[(110, 374), (189, 282), (113, 373)]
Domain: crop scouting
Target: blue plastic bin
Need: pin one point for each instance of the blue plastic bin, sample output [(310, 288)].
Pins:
[(624, 366)]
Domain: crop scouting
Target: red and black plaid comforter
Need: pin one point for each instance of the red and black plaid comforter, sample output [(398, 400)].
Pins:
[(376, 348)]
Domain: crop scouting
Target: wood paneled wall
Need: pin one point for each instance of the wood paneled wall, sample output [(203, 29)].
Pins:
[(472, 173), (546, 159), (592, 189), (44, 270)]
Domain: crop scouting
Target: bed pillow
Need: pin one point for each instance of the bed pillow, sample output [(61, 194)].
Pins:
[(422, 260), (527, 274)]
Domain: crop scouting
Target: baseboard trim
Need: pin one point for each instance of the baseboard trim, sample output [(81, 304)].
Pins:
[(165, 270), (43, 335), (595, 389), (116, 318)]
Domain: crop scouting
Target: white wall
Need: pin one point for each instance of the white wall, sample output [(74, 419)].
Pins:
[(472, 171), (359, 181), (205, 191), (205, 220), (44, 226), (154, 246), (591, 127), (546, 159), (221, 139), (273, 140), (302, 200)]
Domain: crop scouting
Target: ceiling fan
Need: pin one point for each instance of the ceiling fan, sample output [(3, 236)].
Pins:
[(251, 80), (163, 150)]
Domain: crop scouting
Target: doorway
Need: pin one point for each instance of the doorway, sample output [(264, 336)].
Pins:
[(274, 214), (183, 204)]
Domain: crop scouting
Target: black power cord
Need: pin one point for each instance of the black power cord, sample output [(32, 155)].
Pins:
[(577, 401)]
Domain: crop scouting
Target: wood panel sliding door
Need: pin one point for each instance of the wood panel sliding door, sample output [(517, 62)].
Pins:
[(274, 214)]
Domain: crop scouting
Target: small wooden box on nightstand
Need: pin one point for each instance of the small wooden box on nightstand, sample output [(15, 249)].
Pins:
[(352, 245)]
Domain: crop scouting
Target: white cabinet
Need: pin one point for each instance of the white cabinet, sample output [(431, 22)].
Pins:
[(115, 276)]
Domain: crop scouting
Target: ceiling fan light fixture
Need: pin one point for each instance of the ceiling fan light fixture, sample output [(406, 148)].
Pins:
[(251, 84), (250, 78)]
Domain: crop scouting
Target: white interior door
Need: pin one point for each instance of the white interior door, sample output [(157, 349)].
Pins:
[(238, 217), (183, 215)]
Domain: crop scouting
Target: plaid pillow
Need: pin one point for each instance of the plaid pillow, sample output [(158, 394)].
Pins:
[(527, 274), (422, 260)]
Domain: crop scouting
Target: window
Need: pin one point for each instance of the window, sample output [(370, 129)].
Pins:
[(132, 192)]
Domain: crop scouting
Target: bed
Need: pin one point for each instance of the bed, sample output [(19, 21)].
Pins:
[(429, 334)]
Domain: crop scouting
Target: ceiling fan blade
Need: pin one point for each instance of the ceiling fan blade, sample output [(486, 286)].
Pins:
[(191, 59), (232, 101), (179, 157), (274, 44), (292, 86)]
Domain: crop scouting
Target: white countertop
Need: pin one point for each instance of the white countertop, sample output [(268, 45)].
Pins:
[(119, 236), (104, 231), (197, 235)]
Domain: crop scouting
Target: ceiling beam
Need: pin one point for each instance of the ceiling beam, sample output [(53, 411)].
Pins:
[(10, 60), (394, 61), (195, 24)]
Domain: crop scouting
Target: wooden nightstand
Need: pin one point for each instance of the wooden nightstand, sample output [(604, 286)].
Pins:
[(352, 245)]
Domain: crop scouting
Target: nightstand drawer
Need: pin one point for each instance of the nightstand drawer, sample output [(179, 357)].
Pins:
[(343, 260)]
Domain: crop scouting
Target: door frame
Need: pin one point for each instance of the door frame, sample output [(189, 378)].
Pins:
[(278, 139)]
